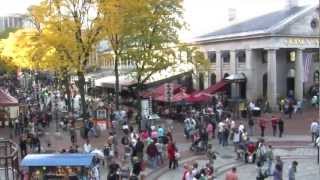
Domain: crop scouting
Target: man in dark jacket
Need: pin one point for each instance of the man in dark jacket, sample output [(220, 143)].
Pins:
[(139, 149), (280, 127)]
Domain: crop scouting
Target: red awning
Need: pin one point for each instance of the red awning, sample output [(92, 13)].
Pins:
[(217, 87), (176, 98), (199, 97), (7, 100), (159, 91)]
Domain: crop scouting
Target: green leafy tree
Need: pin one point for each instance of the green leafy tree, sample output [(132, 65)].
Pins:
[(153, 40)]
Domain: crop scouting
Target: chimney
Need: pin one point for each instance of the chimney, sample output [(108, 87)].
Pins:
[(232, 14), (292, 3)]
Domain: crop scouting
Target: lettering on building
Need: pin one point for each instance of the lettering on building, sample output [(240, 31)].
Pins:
[(302, 42)]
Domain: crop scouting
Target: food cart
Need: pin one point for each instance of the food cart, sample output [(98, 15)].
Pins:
[(57, 166)]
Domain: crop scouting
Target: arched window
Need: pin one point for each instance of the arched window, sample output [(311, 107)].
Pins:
[(213, 78), (316, 76)]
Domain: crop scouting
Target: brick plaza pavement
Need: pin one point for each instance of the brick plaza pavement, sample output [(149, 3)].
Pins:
[(296, 132)]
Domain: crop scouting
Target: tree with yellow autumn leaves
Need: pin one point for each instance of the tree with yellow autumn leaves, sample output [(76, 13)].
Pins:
[(66, 32)]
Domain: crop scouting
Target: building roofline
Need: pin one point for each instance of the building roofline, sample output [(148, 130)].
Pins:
[(271, 31), (265, 35)]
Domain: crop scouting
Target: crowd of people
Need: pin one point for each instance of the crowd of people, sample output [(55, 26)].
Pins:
[(128, 150)]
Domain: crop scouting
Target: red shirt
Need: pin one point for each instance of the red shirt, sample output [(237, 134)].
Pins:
[(171, 151), (274, 121), (262, 122), (251, 148)]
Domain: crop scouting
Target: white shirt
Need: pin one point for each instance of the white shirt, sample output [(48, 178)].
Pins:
[(314, 127), (236, 137), (251, 106), (233, 124), (87, 148), (221, 126), (241, 127)]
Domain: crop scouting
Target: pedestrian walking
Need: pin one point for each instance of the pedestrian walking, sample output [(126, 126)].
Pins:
[(277, 173), (152, 152), (261, 174), (279, 163), (314, 130), (269, 157), (293, 170), (281, 127)]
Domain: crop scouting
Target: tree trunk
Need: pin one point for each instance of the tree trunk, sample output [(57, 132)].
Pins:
[(139, 118), (116, 72), (67, 87), (81, 83)]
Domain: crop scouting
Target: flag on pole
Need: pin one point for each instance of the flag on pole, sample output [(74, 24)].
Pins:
[(307, 60)]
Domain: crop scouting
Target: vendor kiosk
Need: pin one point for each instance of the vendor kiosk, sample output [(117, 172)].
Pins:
[(57, 166)]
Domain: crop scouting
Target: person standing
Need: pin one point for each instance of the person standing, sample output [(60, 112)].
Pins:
[(293, 170), (251, 126), (262, 124), (171, 151), (281, 127), (23, 147), (209, 130), (232, 174), (221, 127), (274, 122)]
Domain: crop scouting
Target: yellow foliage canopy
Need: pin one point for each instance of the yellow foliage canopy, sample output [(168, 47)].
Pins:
[(26, 48)]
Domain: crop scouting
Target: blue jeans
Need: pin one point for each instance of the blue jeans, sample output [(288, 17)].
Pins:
[(220, 137), (153, 162), (269, 166)]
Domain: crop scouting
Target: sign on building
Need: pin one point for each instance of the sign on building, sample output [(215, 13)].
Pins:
[(168, 92), (145, 108)]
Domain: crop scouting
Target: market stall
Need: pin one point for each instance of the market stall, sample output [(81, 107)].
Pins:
[(58, 166), (9, 108)]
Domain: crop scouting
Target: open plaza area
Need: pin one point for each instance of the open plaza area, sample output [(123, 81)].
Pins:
[(143, 90)]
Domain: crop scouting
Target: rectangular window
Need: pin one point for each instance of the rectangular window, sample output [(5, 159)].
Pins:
[(315, 57), (225, 56), (241, 56), (212, 56)]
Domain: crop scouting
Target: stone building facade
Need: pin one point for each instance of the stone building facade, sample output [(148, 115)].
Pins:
[(270, 50)]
